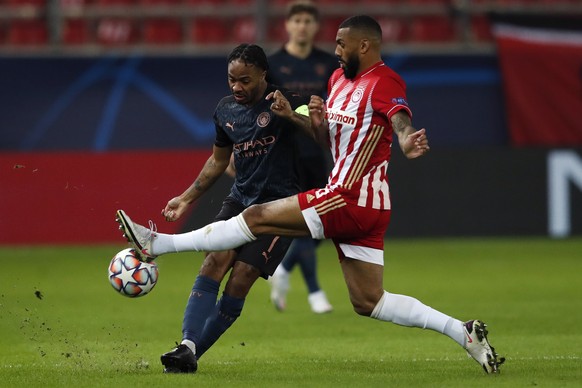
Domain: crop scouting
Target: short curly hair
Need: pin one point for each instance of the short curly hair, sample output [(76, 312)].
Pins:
[(364, 23)]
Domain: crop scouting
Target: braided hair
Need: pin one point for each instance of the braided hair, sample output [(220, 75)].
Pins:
[(250, 54)]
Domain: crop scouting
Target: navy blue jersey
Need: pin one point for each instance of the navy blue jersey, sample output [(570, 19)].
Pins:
[(308, 77), (263, 145)]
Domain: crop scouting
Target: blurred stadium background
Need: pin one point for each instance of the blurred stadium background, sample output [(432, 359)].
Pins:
[(107, 104)]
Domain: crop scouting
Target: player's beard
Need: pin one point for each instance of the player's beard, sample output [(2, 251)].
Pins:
[(351, 66)]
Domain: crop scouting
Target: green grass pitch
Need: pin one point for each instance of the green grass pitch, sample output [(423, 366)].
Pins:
[(62, 324)]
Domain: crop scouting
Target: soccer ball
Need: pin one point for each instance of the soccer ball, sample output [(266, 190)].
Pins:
[(130, 276)]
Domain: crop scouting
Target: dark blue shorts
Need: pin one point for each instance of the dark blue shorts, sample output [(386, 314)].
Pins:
[(266, 252)]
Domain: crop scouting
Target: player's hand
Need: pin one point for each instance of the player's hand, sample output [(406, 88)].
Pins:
[(280, 105), (174, 209), (416, 144), (316, 111)]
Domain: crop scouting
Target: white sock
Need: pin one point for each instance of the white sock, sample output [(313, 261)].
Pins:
[(218, 236), (407, 311), (190, 345)]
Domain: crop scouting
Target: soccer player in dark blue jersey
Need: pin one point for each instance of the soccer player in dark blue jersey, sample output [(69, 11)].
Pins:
[(263, 145), (304, 68)]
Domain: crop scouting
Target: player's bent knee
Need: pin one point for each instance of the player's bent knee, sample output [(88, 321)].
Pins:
[(253, 215), (364, 309), (364, 303)]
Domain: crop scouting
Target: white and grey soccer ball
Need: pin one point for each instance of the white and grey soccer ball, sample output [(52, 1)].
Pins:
[(130, 276)]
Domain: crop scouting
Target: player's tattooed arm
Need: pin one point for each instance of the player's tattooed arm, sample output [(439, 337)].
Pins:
[(212, 170), (412, 142)]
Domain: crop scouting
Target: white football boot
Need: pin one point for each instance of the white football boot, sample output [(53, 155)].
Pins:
[(139, 236), (479, 348), (319, 303), (279, 287)]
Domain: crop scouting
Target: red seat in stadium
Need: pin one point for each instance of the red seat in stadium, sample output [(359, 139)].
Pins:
[(2, 34), (36, 3), (517, 2), (393, 29), (276, 30), (432, 29), (328, 29), (75, 32), (159, 2), (429, 2), (73, 3), (334, 1), (116, 31), (242, 2), (244, 29), (27, 32), (481, 29), (114, 2), (209, 30), (162, 31), (202, 2)]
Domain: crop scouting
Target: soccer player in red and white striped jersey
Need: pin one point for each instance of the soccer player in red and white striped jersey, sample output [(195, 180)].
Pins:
[(360, 133)]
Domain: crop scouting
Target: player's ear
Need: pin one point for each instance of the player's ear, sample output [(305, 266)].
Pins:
[(364, 46)]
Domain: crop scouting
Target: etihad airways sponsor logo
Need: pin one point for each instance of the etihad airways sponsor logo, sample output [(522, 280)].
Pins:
[(254, 147), (341, 117)]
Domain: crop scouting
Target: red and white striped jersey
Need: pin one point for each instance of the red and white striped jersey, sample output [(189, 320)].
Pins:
[(358, 113)]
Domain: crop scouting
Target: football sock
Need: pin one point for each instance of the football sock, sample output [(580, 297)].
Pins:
[(191, 345), (227, 310), (200, 304), (218, 236), (407, 311)]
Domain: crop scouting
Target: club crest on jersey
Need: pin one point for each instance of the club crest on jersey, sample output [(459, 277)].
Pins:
[(263, 119), (357, 94)]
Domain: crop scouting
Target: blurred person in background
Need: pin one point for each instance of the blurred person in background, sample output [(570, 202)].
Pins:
[(306, 69)]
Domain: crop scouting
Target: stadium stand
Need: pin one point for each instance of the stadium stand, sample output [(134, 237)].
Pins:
[(27, 32), (116, 31), (209, 30), (425, 29), (162, 31), (192, 25)]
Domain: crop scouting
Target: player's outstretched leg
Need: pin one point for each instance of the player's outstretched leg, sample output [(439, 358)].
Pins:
[(138, 236), (217, 236), (479, 348), (472, 335)]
